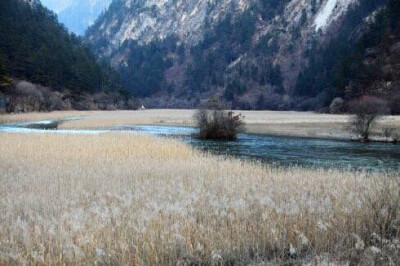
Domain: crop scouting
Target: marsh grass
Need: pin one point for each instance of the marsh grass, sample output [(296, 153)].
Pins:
[(138, 200), (296, 124)]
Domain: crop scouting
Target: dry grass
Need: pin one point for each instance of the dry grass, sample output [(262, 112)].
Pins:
[(124, 199), (116, 118), (299, 124), (27, 117)]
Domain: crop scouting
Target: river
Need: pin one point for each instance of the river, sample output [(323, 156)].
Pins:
[(281, 151)]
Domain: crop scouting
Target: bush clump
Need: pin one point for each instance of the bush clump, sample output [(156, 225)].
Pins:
[(218, 124), (337, 106)]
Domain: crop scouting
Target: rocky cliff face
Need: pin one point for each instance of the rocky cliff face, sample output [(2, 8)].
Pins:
[(147, 20), (241, 50)]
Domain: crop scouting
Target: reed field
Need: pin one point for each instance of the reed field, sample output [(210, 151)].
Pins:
[(125, 199), (295, 124)]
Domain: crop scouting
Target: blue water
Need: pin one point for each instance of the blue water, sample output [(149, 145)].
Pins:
[(282, 151), (285, 151)]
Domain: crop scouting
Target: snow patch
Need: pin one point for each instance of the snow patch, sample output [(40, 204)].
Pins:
[(322, 18), (330, 11)]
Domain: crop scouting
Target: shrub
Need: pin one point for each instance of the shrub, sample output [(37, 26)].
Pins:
[(391, 134), (5, 81), (218, 124), (25, 97), (367, 111), (337, 106)]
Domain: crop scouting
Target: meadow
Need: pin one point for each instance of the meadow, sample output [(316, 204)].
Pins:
[(125, 199)]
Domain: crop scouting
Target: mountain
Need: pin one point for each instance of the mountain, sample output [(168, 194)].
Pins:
[(252, 54), (359, 60), (34, 47), (77, 15)]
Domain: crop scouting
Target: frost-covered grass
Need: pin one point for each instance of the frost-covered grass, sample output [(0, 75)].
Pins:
[(138, 200)]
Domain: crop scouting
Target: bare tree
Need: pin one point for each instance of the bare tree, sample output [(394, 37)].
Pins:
[(367, 112)]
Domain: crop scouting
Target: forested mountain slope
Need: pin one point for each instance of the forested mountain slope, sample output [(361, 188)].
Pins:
[(367, 63), (36, 48), (253, 54)]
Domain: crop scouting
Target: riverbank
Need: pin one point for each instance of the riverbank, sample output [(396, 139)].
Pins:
[(293, 124), (131, 199)]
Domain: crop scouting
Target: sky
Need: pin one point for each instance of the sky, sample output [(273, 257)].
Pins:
[(77, 15)]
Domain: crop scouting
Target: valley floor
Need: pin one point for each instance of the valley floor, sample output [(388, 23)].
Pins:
[(295, 124), (120, 199)]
